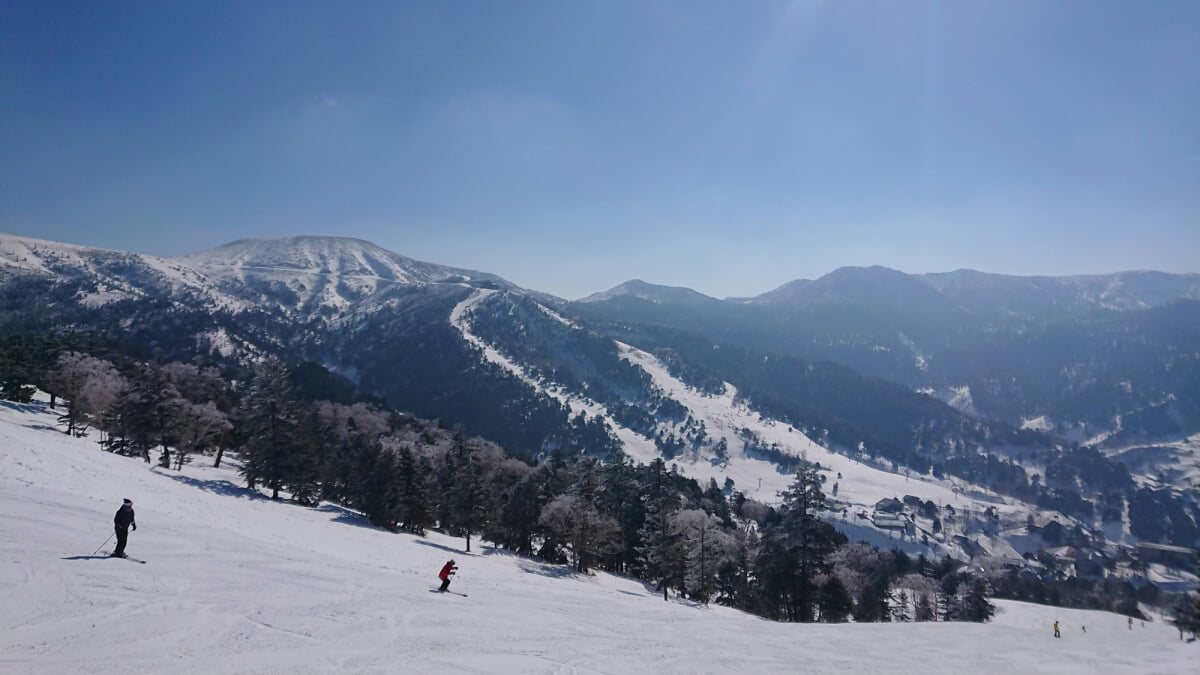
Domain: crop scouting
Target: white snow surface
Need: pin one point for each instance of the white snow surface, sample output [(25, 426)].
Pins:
[(1040, 423), (861, 484), (237, 583)]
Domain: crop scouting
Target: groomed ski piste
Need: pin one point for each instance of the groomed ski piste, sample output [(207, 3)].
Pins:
[(237, 583)]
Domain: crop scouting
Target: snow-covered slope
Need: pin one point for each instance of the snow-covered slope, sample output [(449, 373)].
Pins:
[(333, 275), (108, 276), (236, 583), (338, 256), (725, 419), (306, 277)]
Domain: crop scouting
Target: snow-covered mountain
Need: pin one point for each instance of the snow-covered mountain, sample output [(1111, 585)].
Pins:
[(323, 276), (538, 375), (236, 583), (99, 276)]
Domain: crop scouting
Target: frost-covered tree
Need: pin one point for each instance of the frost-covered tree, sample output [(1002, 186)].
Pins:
[(146, 414), (199, 426), (588, 533), (909, 589), (88, 385), (705, 546)]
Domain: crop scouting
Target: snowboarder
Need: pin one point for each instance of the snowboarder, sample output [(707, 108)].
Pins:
[(1131, 623), (1056, 629), (123, 521), (445, 574)]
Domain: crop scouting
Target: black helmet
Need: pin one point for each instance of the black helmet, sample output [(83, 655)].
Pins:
[(129, 502), (451, 561)]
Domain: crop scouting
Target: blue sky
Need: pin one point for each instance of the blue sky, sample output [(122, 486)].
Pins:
[(570, 146)]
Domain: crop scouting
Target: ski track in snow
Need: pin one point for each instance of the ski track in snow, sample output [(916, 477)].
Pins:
[(860, 485), (237, 583), (635, 445)]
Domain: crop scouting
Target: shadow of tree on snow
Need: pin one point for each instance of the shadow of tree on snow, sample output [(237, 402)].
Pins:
[(218, 486)]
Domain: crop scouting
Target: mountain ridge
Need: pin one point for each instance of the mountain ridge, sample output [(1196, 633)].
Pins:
[(429, 347)]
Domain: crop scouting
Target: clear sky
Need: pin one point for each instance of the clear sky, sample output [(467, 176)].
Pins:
[(570, 146)]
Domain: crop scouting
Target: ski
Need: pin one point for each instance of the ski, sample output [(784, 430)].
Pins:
[(434, 590), (125, 557)]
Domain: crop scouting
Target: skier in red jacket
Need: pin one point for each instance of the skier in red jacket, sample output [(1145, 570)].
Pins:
[(444, 575)]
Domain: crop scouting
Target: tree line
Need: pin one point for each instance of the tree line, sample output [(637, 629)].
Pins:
[(404, 474)]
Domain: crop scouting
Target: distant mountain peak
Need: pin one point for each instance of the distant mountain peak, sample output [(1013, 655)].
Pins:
[(649, 292), (331, 256)]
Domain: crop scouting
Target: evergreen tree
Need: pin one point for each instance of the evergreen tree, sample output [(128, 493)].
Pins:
[(415, 477), (975, 604), (658, 552), (834, 601), (303, 466), (378, 493), (874, 604), (924, 610), (146, 415), (270, 419), (17, 369), (797, 549), (520, 513), (733, 578), (467, 496)]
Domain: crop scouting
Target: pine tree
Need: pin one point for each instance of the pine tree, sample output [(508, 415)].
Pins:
[(145, 415), (270, 426), (975, 605), (874, 604), (520, 513), (797, 550), (924, 609), (303, 467), (658, 553), (467, 496), (733, 578), (834, 601), (378, 495)]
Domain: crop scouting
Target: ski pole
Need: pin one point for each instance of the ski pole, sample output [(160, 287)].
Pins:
[(105, 542)]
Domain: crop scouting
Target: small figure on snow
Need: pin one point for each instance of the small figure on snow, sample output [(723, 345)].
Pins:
[(1056, 629), (1084, 628), (445, 574), (123, 521), (1131, 623)]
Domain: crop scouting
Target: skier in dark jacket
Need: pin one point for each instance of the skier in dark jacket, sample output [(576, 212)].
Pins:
[(122, 521), (445, 574)]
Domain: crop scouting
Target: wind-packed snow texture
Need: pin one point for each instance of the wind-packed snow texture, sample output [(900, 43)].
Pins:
[(236, 583)]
